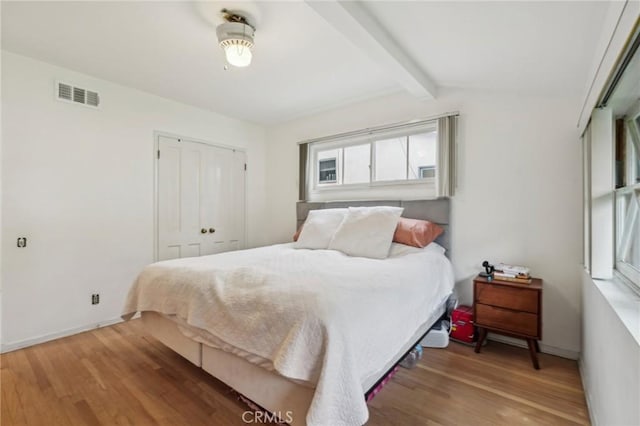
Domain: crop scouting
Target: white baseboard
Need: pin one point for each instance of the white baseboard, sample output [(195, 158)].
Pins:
[(551, 350), (8, 347), (587, 395)]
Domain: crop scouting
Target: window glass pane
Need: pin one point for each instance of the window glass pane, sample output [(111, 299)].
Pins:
[(356, 164), (422, 156), (634, 161), (627, 156), (391, 159), (328, 166), (627, 161), (633, 256), (628, 228)]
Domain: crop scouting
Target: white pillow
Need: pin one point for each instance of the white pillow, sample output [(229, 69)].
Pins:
[(367, 231), (319, 228), (398, 250)]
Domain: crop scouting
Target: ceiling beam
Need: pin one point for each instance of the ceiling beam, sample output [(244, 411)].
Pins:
[(358, 25)]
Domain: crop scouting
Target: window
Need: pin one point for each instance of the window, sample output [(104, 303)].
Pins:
[(627, 195), (400, 161), (422, 155), (357, 161), (611, 147), (426, 171), (327, 171), (391, 159)]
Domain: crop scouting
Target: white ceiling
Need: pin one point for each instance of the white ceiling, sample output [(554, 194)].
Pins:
[(303, 63), (539, 46)]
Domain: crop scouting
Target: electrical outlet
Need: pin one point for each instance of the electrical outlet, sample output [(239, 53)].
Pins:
[(95, 299), (22, 242)]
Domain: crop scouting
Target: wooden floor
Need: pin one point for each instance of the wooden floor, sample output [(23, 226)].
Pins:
[(121, 376)]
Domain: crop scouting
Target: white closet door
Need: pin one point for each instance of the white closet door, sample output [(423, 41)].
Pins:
[(179, 199), (197, 209), (217, 211)]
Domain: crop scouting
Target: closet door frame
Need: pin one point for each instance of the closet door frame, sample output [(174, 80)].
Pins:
[(156, 182)]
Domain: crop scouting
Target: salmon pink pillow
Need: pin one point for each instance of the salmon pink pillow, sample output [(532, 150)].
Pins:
[(297, 234), (416, 233)]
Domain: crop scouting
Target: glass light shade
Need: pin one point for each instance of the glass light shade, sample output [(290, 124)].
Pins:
[(238, 55)]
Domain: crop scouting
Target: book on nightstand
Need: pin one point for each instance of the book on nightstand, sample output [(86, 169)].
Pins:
[(512, 273), (520, 280)]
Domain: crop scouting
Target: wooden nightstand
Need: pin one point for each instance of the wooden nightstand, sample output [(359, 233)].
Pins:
[(511, 309)]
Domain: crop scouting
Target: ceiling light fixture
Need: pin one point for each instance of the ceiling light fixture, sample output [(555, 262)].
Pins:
[(235, 36)]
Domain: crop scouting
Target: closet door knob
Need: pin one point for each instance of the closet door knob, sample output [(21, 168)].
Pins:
[(203, 231), (212, 230)]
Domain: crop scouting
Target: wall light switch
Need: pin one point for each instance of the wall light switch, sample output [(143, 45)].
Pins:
[(22, 242)]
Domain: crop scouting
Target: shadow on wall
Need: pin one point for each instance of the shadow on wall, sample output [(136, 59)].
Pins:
[(463, 289)]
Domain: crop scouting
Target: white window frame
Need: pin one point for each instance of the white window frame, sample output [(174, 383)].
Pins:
[(624, 269), (316, 187)]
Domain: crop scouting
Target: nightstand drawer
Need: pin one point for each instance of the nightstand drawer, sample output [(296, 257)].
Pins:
[(507, 320), (519, 299)]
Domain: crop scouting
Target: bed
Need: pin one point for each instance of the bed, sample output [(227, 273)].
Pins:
[(305, 334)]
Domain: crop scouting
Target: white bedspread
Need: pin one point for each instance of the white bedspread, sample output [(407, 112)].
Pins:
[(318, 315)]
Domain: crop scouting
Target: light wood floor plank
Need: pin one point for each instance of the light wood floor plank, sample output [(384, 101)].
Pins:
[(526, 388), (530, 400), (451, 355), (120, 375), (12, 410)]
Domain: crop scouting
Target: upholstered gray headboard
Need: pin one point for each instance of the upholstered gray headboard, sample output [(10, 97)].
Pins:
[(436, 211)]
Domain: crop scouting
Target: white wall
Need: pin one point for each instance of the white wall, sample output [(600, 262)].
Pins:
[(1, 228), (78, 183), (519, 195), (610, 359)]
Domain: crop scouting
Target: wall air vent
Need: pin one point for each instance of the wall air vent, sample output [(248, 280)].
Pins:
[(92, 98), (69, 93), (64, 91), (78, 95)]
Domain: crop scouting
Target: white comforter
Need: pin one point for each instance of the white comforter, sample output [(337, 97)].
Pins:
[(317, 315)]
